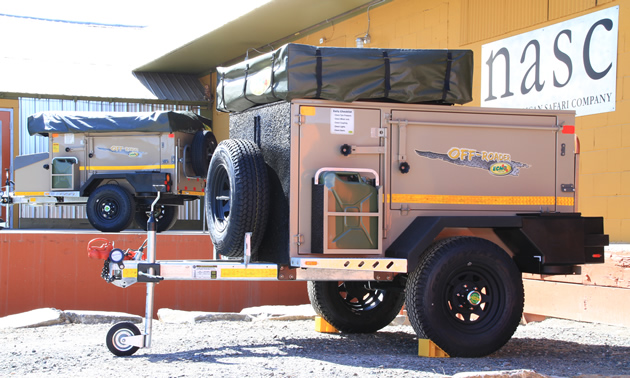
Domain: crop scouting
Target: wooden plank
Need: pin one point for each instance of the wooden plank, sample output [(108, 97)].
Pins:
[(600, 304)]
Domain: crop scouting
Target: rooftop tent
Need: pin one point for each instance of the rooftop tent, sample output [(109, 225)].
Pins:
[(95, 122), (347, 74)]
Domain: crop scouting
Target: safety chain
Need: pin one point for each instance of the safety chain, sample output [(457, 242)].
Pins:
[(105, 272)]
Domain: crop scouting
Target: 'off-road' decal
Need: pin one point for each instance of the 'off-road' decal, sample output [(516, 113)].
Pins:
[(496, 163), (129, 151)]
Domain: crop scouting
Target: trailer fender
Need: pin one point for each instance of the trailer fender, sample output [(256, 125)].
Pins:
[(26, 160), (555, 243), (140, 182), (422, 231), (541, 243)]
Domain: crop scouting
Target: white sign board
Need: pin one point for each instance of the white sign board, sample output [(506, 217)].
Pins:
[(571, 65), (342, 121)]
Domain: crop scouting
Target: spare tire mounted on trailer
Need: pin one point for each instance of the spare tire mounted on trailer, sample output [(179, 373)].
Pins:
[(203, 145), (236, 196)]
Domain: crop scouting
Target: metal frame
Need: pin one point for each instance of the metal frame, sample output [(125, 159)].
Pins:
[(153, 271)]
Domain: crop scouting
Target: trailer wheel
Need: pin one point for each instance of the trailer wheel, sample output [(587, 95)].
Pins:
[(116, 339), (236, 197), (203, 145), (353, 306), (110, 208), (166, 216), (466, 296)]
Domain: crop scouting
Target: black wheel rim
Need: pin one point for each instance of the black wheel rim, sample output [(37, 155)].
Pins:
[(220, 201), (108, 208), (473, 297), (158, 212), (359, 297)]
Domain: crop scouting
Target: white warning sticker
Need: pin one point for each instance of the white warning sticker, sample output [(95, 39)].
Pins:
[(342, 121), (205, 272)]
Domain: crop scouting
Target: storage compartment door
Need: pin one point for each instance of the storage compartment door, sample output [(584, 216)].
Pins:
[(130, 153), (64, 174), (323, 132), (473, 161), (68, 157)]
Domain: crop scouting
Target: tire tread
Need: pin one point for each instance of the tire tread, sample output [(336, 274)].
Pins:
[(419, 283), (249, 204), (327, 303), (128, 204)]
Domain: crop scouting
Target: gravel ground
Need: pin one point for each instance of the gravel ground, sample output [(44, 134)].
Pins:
[(271, 348)]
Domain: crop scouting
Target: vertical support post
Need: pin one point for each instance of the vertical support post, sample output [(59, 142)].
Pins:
[(247, 252), (151, 241)]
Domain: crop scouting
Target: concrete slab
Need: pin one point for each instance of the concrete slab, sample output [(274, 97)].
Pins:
[(299, 312), (50, 316), (400, 320), (168, 315), (35, 318), (100, 317), (523, 373)]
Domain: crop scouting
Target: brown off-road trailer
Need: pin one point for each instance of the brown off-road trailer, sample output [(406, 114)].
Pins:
[(381, 204), (111, 162)]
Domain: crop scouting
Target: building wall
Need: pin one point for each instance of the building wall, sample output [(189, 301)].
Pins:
[(605, 138), (52, 269)]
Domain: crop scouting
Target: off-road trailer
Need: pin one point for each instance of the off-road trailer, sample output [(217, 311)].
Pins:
[(110, 162), (381, 204)]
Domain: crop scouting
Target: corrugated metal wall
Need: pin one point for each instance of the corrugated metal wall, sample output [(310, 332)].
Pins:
[(483, 19), (34, 144), (562, 8)]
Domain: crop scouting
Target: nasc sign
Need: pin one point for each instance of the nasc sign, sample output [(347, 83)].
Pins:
[(570, 65)]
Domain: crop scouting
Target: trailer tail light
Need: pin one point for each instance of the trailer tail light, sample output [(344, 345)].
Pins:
[(568, 129), (167, 182), (597, 256)]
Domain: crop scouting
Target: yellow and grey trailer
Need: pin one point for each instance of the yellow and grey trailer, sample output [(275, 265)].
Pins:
[(111, 161), (381, 203)]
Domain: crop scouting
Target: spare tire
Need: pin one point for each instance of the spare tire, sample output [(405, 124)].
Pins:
[(237, 192), (203, 145)]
